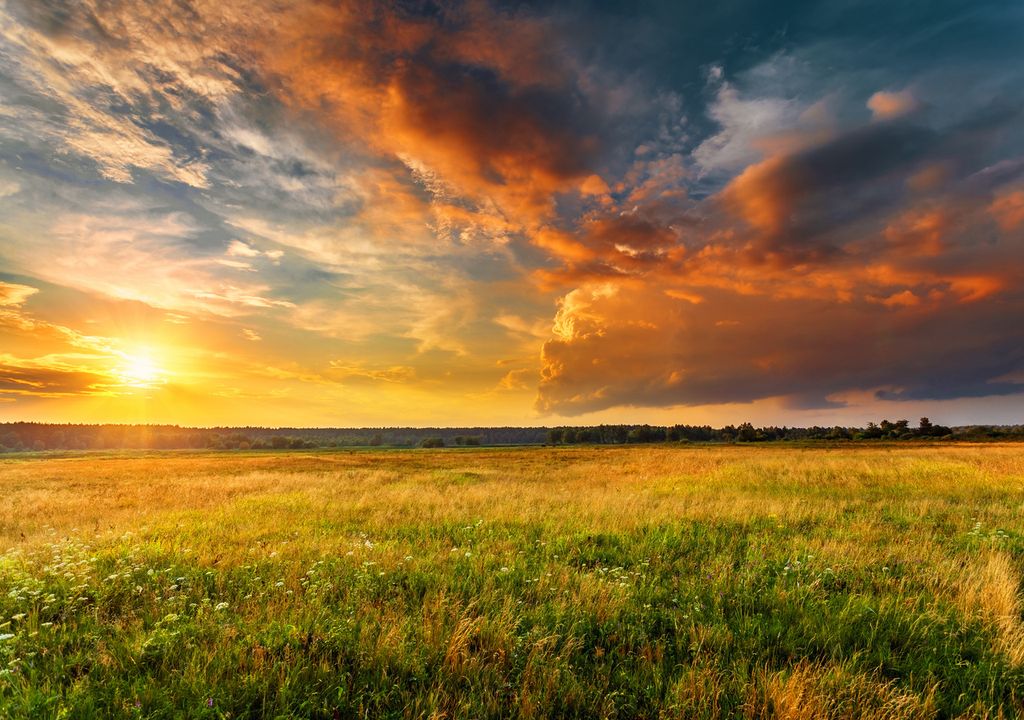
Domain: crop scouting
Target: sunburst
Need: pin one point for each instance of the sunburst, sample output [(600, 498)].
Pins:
[(140, 370)]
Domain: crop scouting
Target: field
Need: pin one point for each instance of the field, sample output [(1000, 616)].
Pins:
[(617, 582)]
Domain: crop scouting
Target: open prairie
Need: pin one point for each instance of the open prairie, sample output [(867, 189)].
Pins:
[(620, 582)]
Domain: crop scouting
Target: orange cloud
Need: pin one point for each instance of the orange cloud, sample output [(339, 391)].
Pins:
[(563, 245), (1008, 209), (401, 84), (919, 232), (594, 185), (901, 299), (761, 195), (886, 105)]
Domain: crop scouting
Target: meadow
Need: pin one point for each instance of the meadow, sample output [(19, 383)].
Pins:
[(858, 581)]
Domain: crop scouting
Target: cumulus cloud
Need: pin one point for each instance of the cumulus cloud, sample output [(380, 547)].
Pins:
[(821, 269), (629, 345)]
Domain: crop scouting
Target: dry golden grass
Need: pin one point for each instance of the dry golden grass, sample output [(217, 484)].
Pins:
[(990, 588), (604, 487), (809, 692)]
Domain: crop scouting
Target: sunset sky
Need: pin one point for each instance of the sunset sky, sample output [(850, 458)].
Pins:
[(288, 212)]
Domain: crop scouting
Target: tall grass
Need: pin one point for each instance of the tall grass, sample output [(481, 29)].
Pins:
[(640, 582)]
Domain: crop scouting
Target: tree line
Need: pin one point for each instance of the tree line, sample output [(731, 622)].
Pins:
[(26, 436), (746, 432), (23, 436)]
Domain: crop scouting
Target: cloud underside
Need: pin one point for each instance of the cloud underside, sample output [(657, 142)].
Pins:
[(658, 352), (50, 382), (435, 181)]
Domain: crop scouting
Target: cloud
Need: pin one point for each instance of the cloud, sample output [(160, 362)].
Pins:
[(824, 267), (129, 252), (90, 80), (632, 346), (521, 379), (886, 105), (237, 248), (794, 200), (744, 124), (32, 379), (361, 373), (1008, 209), (504, 124), (13, 294)]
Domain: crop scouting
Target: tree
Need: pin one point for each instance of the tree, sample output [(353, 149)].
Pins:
[(746, 433), (927, 429)]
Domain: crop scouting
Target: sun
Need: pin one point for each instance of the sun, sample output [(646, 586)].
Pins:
[(140, 370)]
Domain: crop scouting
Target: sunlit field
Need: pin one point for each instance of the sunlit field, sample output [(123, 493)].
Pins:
[(622, 582)]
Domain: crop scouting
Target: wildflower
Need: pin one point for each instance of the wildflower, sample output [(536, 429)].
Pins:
[(220, 606), (209, 702), (6, 636)]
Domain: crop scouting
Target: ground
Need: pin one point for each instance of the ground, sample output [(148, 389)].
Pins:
[(873, 581)]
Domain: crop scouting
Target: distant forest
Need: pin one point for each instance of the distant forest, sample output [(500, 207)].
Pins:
[(22, 436)]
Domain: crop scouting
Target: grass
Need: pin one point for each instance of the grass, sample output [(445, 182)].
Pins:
[(622, 582)]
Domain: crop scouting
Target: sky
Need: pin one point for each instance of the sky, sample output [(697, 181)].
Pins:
[(311, 213)]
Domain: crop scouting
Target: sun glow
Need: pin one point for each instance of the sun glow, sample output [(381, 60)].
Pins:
[(140, 370)]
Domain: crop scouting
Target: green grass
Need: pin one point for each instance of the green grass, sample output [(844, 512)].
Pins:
[(611, 583)]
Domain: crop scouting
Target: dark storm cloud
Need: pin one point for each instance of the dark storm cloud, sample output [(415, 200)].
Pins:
[(680, 353), (849, 254)]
